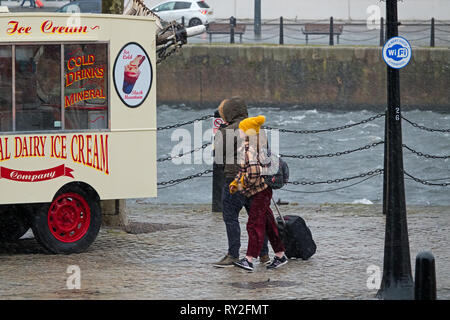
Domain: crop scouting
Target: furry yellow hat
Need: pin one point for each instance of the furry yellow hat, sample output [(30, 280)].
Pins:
[(251, 126)]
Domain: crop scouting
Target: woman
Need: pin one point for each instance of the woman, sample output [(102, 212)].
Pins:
[(249, 181)]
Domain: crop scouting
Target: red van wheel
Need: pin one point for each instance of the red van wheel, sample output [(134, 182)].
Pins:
[(69, 217), (70, 223)]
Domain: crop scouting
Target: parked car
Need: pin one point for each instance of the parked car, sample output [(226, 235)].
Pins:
[(194, 12), (82, 6)]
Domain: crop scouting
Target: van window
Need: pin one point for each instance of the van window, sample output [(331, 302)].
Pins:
[(54, 87), (5, 88), (86, 86), (38, 87)]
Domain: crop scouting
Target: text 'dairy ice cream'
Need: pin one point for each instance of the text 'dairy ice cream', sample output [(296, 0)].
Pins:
[(131, 74)]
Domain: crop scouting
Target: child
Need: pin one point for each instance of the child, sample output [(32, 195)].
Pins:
[(249, 181)]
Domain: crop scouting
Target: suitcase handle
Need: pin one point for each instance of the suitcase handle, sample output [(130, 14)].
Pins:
[(279, 213)]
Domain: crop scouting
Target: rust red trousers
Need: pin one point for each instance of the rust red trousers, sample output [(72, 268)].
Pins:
[(261, 222)]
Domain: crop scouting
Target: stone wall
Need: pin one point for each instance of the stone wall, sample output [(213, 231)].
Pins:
[(338, 78)]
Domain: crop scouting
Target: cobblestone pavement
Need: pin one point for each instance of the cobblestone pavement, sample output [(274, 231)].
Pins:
[(169, 256)]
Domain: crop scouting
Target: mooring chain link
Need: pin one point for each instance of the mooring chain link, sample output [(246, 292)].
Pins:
[(204, 146), (330, 129), (424, 182), (362, 175), (416, 125), (330, 155), (184, 123), (164, 53), (428, 156), (184, 179)]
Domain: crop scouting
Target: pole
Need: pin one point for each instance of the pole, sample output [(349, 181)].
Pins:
[(257, 20), (331, 32), (281, 31), (217, 187), (397, 280), (217, 180), (381, 32), (432, 33), (232, 25)]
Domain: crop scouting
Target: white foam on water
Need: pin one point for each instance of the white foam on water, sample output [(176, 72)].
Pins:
[(362, 201)]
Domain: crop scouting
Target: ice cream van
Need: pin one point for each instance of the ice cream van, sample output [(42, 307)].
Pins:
[(77, 122)]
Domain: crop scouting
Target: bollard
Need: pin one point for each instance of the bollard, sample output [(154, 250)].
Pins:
[(281, 31), (232, 25), (432, 33), (381, 32), (183, 21), (425, 282), (331, 32)]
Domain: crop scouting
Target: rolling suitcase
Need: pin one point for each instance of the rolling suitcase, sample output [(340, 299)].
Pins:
[(296, 236)]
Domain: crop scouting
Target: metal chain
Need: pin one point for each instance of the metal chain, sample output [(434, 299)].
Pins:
[(362, 175), (164, 53), (175, 181), (329, 190), (429, 156), (204, 146), (184, 123), (416, 125), (330, 155), (424, 182), (328, 130)]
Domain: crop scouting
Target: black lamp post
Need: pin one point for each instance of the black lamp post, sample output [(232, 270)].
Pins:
[(397, 280)]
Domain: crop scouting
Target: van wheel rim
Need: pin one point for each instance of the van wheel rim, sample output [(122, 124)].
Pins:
[(69, 217)]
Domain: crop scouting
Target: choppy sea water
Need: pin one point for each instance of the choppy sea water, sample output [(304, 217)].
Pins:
[(199, 190)]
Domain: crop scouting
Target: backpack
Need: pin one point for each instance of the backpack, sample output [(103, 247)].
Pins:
[(275, 180)]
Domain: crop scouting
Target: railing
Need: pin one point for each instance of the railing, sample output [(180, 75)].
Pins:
[(429, 33)]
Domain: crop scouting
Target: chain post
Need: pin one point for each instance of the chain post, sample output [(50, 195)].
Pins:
[(397, 282)]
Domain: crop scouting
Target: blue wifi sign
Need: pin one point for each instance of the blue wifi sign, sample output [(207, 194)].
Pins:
[(397, 52)]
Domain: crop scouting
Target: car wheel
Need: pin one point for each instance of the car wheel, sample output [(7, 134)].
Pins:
[(13, 223), (69, 224), (195, 22)]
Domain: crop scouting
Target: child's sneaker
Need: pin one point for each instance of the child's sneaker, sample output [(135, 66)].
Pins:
[(277, 262), (244, 264)]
